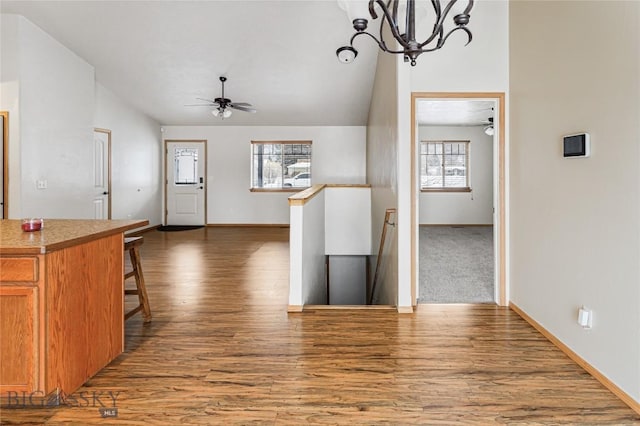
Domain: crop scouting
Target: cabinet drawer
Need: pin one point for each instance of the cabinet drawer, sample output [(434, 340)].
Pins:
[(18, 269)]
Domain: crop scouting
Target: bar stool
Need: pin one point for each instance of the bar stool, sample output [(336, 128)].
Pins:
[(132, 244)]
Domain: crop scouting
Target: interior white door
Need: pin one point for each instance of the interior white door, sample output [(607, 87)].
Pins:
[(101, 198), (185, 165), (2, 167)]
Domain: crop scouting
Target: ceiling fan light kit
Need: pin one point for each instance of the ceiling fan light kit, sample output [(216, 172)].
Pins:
[(400, 16), (222, 107), (489, 130)]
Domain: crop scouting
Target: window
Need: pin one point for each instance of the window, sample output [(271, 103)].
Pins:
[(444, 166), (185, 163), (280, 165)]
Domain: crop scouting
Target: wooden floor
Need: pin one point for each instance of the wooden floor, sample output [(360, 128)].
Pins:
[(221, 349)]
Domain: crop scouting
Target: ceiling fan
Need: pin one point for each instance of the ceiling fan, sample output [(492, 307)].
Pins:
[(222, 106), (488, 127)]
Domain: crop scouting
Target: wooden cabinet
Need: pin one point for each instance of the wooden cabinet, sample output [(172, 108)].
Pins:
[(19, 338), (61, 311)]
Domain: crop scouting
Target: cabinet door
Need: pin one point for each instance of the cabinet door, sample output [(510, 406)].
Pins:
[(18, 338)]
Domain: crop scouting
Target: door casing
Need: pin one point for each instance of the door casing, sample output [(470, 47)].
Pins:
[(500, 219), (166, 179)]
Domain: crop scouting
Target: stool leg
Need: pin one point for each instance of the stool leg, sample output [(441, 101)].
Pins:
[(142, 289)]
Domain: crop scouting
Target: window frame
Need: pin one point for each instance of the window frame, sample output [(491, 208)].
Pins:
[(281, 188), (467, 187)]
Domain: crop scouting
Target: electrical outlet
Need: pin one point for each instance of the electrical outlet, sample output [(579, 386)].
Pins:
[(585, 317), (41, 184)]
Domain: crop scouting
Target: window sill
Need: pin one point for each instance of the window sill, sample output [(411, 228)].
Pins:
[(289, 189), (466, 189)]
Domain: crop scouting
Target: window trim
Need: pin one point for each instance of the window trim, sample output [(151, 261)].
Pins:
[(278, 142), (466, 188)]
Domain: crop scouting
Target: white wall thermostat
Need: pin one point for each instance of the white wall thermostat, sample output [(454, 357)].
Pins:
[(577, 146)]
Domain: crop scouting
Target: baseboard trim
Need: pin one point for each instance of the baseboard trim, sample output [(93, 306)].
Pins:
[(139, 232), (625, 397), (405, 309), (294, 308), (247, 225), (457, 225)]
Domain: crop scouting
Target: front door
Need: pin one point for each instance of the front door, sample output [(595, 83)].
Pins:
[(101, 174), (185, 183)]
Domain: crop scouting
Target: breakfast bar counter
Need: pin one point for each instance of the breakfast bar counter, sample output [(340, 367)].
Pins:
[(61, 304)]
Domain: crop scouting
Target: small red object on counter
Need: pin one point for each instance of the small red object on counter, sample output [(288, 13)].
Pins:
[(29, 225)]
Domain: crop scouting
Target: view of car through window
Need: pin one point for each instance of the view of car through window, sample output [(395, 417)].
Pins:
[(300, 180)]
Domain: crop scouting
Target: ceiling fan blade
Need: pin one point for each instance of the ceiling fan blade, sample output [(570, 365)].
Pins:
[(206, 100), (241, 108), (207, 105), (242, 104)]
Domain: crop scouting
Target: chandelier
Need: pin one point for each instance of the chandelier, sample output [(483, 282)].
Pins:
[(400, 16)]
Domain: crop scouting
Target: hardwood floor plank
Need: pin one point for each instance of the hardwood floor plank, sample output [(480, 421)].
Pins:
[(221, 349)]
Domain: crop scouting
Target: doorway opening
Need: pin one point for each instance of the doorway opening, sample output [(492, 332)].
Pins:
[(458, 185)]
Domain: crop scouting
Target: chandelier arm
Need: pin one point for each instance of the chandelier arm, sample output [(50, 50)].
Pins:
[(437, 30), (442, 40), (395, 10), (437, 8), (381, 44), (465, 29), (438, 26), (389, 18), (392, 24), (447, 8), (467, 10)]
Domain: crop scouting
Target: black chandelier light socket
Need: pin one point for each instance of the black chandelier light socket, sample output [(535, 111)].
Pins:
[(360, 24), (410, 48)]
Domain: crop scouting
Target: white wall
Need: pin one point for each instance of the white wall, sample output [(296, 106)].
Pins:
[(136, 153), (480, 66), (382, 167), (55, 125), (314, 290), (462, 208), (307, 283), (338, 156), (576, 222), (347, 221)]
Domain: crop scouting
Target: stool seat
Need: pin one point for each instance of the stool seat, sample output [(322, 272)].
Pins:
[(132, 245)]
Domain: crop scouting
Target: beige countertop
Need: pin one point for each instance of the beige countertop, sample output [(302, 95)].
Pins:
[(58, 233)]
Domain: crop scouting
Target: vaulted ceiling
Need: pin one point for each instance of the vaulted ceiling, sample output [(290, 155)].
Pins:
[(161, 55)]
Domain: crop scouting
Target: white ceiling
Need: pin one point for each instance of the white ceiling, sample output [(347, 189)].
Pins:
[(454, 112), (161, 55)]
